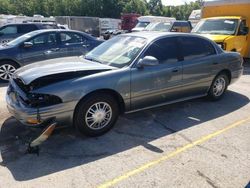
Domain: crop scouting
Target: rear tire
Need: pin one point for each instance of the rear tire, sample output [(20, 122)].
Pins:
[(96, 114), (218, 87), (7, 68)]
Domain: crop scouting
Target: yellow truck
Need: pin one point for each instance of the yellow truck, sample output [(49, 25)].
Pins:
[(226, 22)]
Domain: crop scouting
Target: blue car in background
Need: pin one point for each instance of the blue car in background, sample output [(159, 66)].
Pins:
[(42, 45)]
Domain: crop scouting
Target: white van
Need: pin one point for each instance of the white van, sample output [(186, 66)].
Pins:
[(143, 21)]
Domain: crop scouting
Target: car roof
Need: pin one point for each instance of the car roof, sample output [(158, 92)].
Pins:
[(63, 30), (58, 30), (34, 23), (181, 21), (223, 17), (152, 35)]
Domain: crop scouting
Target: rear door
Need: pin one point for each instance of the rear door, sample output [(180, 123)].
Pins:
[(199, 61), (161, 83), (73, 44)]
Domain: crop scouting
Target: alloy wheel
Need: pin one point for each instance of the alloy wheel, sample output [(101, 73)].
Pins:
[(6, 71), (219, 86), (98, 115)]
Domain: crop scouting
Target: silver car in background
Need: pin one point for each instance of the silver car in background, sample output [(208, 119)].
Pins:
[(128, 73)]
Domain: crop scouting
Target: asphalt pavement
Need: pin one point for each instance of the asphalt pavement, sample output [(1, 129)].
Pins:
[(196, 143)]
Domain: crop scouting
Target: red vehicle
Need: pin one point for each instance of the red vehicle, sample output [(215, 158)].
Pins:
[(129, 21)]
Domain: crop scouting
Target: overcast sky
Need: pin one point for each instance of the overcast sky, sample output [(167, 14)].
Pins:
[(175, 2)]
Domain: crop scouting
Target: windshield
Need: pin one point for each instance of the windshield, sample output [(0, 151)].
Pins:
[(159, 26), (22, 38), (118, 52), (142, 24), (217, 26)]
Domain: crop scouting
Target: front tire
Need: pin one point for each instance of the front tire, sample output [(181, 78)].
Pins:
[(218, 87), (7, 68), (96, 114)]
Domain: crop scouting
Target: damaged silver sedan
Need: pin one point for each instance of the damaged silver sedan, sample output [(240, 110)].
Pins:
[(127, 73)]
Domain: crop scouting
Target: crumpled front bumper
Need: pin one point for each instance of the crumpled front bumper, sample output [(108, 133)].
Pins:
[(63, 113)]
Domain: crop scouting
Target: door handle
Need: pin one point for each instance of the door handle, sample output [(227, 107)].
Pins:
[(175, 70), (55, 49), (47, 52), (51, 50), (86, 45)]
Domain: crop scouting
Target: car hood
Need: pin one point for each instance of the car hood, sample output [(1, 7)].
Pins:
[(5, 47), (216, 38), (137, 29), (61, 66)]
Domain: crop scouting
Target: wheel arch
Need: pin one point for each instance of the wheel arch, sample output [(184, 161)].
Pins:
[(10, 60), (227, 72)]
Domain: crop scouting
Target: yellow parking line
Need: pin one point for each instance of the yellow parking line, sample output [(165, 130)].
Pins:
[(172, 154)]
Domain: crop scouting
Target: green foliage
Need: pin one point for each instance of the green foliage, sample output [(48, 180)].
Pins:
[(96, 8), (136, 6), (155, 7)]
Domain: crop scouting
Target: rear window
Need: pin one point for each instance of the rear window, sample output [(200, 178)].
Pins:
[(194, 48), (12, 29), (70, 37)]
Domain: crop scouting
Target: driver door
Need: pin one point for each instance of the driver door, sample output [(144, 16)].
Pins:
[(44, 47), (154, 85)]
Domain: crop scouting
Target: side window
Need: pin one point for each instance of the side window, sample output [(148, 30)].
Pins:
[(26, 28), (181, 27), (242, 26), (165, 50), (51, 39), (39, 40), (193, 48), (176, 27), (9, 30), (71, 38), (44, 39)]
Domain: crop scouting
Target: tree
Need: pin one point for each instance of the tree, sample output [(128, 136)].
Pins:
[(96, 8), (155, 7), (136, 6)]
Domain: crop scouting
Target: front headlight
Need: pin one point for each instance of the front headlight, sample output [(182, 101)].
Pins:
[(42, 100)]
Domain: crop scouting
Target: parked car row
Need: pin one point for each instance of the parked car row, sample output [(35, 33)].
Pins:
[(167, 25)]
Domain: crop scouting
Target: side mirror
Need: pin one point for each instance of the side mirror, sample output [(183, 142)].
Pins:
[(147, 61), (27, 44), (244, 31)]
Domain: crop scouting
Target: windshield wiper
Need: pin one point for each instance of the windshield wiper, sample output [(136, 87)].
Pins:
[(93, 59)]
